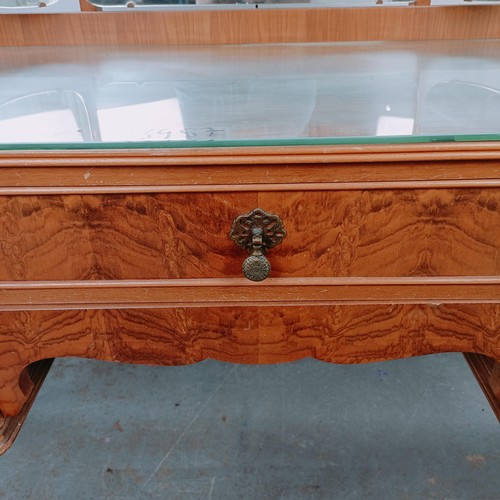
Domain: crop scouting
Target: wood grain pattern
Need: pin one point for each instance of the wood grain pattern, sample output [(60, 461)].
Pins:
[(392, 249), (76, 237), (340, 334), (179, 235), (94, 180), (387, 233), (252, 26)]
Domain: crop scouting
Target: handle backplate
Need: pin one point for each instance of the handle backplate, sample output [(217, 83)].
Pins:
[(257, 232)]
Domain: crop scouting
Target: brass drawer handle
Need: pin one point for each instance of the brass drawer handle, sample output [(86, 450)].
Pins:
[(257, 232)]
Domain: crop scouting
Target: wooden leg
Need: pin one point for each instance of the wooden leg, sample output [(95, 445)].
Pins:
[(15, 387), (487, 373), (495, 380), (31, 379)]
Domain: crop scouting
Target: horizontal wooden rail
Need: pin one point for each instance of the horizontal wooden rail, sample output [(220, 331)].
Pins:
[(252, 26), (244, 155), (230, 292), (247, 188)]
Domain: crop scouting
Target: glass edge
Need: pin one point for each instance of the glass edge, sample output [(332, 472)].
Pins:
[(320, 141)]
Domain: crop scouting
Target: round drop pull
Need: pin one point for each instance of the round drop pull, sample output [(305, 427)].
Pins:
[(257, 232)]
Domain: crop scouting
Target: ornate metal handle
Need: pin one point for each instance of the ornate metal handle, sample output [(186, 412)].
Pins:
[(257, 232)]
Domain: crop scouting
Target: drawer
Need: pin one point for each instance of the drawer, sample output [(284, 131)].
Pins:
[(397, 233)]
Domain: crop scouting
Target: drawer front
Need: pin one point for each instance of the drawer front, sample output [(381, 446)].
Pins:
[(424, 232)]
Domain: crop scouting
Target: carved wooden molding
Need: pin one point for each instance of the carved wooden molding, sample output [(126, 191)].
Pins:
[(120, 294)]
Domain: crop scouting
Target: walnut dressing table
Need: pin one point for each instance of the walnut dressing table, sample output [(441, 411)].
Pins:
[(350, 157)]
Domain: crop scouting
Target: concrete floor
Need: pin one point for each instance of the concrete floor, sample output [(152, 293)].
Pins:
[(408, 429)]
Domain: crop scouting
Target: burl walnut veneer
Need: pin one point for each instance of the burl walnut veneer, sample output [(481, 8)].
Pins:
[(123, 253)]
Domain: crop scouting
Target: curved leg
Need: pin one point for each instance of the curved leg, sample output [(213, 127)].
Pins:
[(487, 373), (10, 426), (15, 388)]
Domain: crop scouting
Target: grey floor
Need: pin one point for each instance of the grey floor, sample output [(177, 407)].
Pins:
[(408, 429)]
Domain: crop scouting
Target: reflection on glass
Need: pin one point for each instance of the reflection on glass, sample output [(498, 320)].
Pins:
[(158, 3), (205, 110), (238, 109), (461, 107), (13, 4), (294, 92), (394, 125), (53, 116), (131, 112)]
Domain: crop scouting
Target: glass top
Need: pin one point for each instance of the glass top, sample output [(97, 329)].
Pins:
[(240, 95)]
